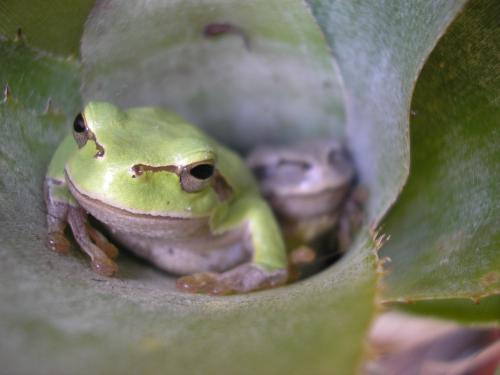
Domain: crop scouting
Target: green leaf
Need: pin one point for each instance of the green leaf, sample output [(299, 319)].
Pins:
[(444, 229), (43, 91), (486, 310), (77, 322), (55, 27), (380, 47), (280, 85), (38, 80), (63, 318)]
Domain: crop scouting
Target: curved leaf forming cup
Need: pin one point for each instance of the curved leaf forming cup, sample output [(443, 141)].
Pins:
[(269, 76)]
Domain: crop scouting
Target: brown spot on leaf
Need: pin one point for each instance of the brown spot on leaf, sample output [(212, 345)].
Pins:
[(490, 278), (19, 35), (216, 29)]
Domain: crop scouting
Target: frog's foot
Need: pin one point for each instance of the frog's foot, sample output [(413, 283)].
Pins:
[(299, 258), (58, 242), (102, 242), (249, 276), (242, 279), (302, 255), (103, 266), (202, 282), (100, 260)]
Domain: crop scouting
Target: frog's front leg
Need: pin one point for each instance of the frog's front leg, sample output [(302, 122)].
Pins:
[(101, 241), (241, 279), (268, 266), (57, 212), (82, 231), (61, 210)]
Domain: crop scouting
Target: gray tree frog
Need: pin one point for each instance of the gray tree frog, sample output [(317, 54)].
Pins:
[(312, 188)]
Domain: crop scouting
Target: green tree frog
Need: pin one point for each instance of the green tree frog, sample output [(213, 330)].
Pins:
[(169, 193)]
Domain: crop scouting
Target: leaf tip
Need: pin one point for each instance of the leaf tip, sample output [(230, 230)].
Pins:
[(49, 107), (378, 238), (19, 38), (7, 93)]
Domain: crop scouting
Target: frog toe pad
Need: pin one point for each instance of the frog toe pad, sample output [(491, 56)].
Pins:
[(242, 279), (104, 266), (57, 242)]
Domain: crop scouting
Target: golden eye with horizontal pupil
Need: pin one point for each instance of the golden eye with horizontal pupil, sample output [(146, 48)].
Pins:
[(80, 131), (197, 177)]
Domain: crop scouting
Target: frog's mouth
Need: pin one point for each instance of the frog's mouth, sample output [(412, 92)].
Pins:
[(325, 202), (137, 225), (103, 211)]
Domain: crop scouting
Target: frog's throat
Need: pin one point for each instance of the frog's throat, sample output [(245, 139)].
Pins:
[(93, 204)]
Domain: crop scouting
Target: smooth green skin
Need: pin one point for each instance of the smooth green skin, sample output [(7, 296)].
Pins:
[(157, 138)]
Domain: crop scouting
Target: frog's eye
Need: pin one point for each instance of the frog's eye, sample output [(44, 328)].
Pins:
[(79, 124), (82, 134), (202, 171), (338, 156), (340, 161), (196, 177), (80, 131)]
